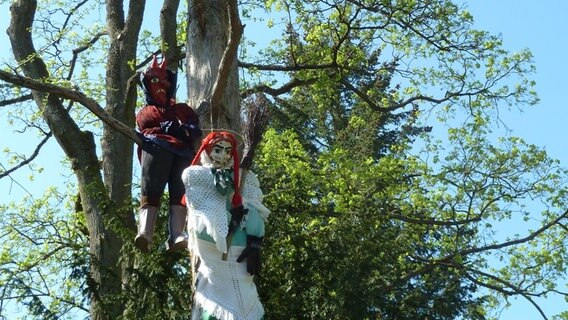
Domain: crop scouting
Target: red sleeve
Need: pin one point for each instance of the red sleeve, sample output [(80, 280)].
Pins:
[(186, 114), (149, 118)]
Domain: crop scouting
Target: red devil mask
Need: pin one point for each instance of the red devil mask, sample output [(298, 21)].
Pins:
[(158, 83)]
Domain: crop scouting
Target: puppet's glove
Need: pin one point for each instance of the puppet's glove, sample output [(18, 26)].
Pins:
[(185, 132), (147, 144), (252, 254), (192, 131), (173, 129), (236, 217), (169, 127)]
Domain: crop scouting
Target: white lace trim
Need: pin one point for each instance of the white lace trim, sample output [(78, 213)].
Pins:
[(225, 289), (205, 203), (221, 313), (252, 195), (207, 208)]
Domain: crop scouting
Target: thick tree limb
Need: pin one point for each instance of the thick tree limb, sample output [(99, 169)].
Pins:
[(229, 56), (168, 28), (286, 88), (74, 95), (23, 98)]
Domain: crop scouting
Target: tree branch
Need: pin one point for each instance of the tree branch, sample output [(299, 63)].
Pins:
[(23, 98), (508, 243), (287, 87), (229, 56), (429, 264), (27, 160), (435, 221), (515, 289), (74, 95), (77, 51), (296, 67)]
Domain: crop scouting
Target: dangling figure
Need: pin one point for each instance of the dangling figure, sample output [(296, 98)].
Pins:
[(169, 131), (226, 223)]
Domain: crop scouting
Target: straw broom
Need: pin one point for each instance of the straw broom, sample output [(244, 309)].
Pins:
[(254, 124)]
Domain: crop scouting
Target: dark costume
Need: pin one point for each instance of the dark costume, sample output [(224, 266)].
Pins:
[(169, 130)]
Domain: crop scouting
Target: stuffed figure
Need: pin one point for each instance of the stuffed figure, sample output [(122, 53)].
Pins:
[(169, 131), (226, 220)]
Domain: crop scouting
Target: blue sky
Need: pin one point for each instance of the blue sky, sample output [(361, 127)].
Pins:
[(540, 26), (543, 28)]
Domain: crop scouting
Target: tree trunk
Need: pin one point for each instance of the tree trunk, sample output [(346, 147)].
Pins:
[(207, 38), (117, 149), (80, 148), (101, 201)]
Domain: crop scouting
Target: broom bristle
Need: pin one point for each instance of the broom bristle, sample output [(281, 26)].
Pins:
[(255, 122)]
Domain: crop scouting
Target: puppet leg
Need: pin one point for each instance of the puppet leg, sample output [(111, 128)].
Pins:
[(177, 240), (146, 224)]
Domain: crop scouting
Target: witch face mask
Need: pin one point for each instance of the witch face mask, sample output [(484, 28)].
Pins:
[(220, 154)]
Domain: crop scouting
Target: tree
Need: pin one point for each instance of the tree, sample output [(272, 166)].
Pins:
[(439, 207), (104, 185), (372, 218)]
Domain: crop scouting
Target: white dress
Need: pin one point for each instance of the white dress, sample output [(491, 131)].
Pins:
[(224, 288)]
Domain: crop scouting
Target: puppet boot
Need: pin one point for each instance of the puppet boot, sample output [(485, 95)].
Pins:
[(177, 240), (146, 224)]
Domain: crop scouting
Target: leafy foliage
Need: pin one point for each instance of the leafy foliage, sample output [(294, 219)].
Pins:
[(392, 197), (334, 250), (46, 262), (43, 257)]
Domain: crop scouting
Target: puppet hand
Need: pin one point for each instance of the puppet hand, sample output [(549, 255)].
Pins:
[(252, 254), (173, 129), (147, 144), (168, 127), (236, 217), (192, 130)]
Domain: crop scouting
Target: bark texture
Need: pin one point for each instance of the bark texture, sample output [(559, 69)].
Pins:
[(101, 199), (210, 77)]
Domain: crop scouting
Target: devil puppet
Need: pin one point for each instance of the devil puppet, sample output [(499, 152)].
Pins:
[(169, 131)]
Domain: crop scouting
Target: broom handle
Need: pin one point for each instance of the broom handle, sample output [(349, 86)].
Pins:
[(230, 234)]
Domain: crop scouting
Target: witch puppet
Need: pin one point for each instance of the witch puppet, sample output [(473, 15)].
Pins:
[(226, 224)]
